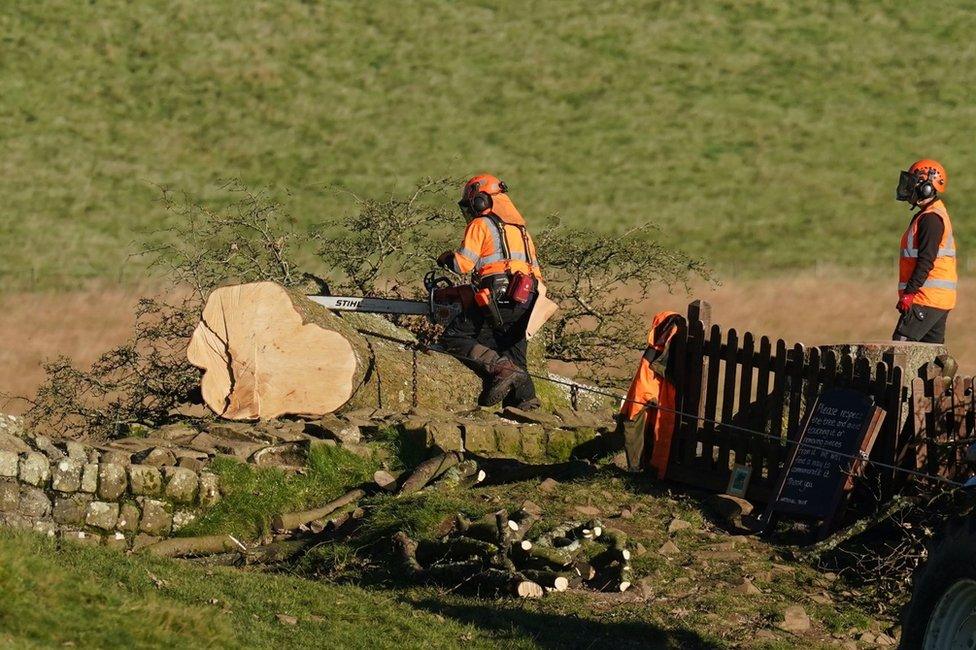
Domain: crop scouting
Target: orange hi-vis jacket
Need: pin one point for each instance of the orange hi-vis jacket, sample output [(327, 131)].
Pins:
[(497, 245), (939, 290), (651, 387)]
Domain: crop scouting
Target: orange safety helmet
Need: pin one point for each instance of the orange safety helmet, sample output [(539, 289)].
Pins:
[(925, 179), (477, 192)]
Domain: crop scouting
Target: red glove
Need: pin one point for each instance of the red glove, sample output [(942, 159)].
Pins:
[(905, 302), (445, 259)]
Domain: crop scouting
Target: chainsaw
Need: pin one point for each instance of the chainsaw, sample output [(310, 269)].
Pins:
[(445, 302)]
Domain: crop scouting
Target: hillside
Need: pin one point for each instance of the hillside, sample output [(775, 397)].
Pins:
[(763, 136)]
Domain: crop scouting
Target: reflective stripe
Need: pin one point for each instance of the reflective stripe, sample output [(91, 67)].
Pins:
[(468, 254), (488, 259), (943, 252), (931, 284), (496, 242)]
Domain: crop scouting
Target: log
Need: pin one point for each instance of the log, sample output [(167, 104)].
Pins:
[(292, 520), (192, 546), (277, 552), (558, 581), (428, 470), (455, 548), (385, 480), (408, 553), (268, 351)]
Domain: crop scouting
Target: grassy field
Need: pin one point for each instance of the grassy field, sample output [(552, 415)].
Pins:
[(764, 136)]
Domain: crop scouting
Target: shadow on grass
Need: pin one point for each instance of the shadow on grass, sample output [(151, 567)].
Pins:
[(550, 630)]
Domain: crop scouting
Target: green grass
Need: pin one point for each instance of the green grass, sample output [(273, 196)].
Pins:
[(92, 597), (252, 496), (763, 135)]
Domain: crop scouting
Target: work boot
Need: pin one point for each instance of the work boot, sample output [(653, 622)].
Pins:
[(500, 370), (530, 404), (504, 374)]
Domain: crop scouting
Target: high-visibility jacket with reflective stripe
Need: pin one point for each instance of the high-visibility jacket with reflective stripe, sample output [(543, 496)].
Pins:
[(482, 253), (939, 289)]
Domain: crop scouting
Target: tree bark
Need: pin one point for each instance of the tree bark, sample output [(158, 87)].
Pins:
[(268, 351), (292, 520)]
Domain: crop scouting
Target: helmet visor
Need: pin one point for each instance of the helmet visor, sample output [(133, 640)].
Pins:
[(906, 186)]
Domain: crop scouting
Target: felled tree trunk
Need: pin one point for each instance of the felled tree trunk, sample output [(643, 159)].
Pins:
[(268, 351)]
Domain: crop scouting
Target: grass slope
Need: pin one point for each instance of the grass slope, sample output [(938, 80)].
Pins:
[(763, 135), (96, 598)]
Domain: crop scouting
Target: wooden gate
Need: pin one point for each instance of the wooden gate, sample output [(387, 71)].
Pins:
[(750, 395), (942, 424)]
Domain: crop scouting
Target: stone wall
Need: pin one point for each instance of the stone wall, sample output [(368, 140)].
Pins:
[(94, 495)]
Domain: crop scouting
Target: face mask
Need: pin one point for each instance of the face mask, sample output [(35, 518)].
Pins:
[(906, 186)]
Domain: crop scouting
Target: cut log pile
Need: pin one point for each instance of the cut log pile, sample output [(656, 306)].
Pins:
[(496, 554), (499, 554)]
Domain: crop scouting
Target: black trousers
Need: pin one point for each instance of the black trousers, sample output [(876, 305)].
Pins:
[(473, 326), (923, 324)]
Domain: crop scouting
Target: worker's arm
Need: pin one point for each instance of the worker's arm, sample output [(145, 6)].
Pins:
[(928, 237), (468, 254)]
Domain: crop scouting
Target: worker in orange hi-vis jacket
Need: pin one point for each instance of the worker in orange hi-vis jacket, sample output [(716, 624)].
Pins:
[(640, 418)]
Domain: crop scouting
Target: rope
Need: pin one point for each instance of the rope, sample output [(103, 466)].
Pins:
[(732, 427)]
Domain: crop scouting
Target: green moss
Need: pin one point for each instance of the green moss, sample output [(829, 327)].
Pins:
[(560, 444)]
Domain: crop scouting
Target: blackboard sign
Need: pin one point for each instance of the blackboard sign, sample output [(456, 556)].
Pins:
[(840, 428)]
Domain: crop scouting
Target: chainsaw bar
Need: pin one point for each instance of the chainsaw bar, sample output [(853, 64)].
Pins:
[(373, 305)]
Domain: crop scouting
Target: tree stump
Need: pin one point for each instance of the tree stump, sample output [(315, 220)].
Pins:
[(268, 351)]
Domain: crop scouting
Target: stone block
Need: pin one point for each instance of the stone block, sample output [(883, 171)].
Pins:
[(45, 527), (10, 442), (560, 444), (446, 436), (77, 451), (479, 437), (33, 502), (66, 476), (145, 480), (585, 434), (182, 518), (82, 537), (35, 469), (111, 481), (181, 484), (9, 463), (193, 464), (102, 514), (209, 489), (116, 457), (128, 518), (9, 495), (116, 540), (531, 417), (415, 429), (44, 444), (160, 457), (156, 518), (16, 521), (89, 478), (178, 432), (533, 440), (509, 439), (69, 509)]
